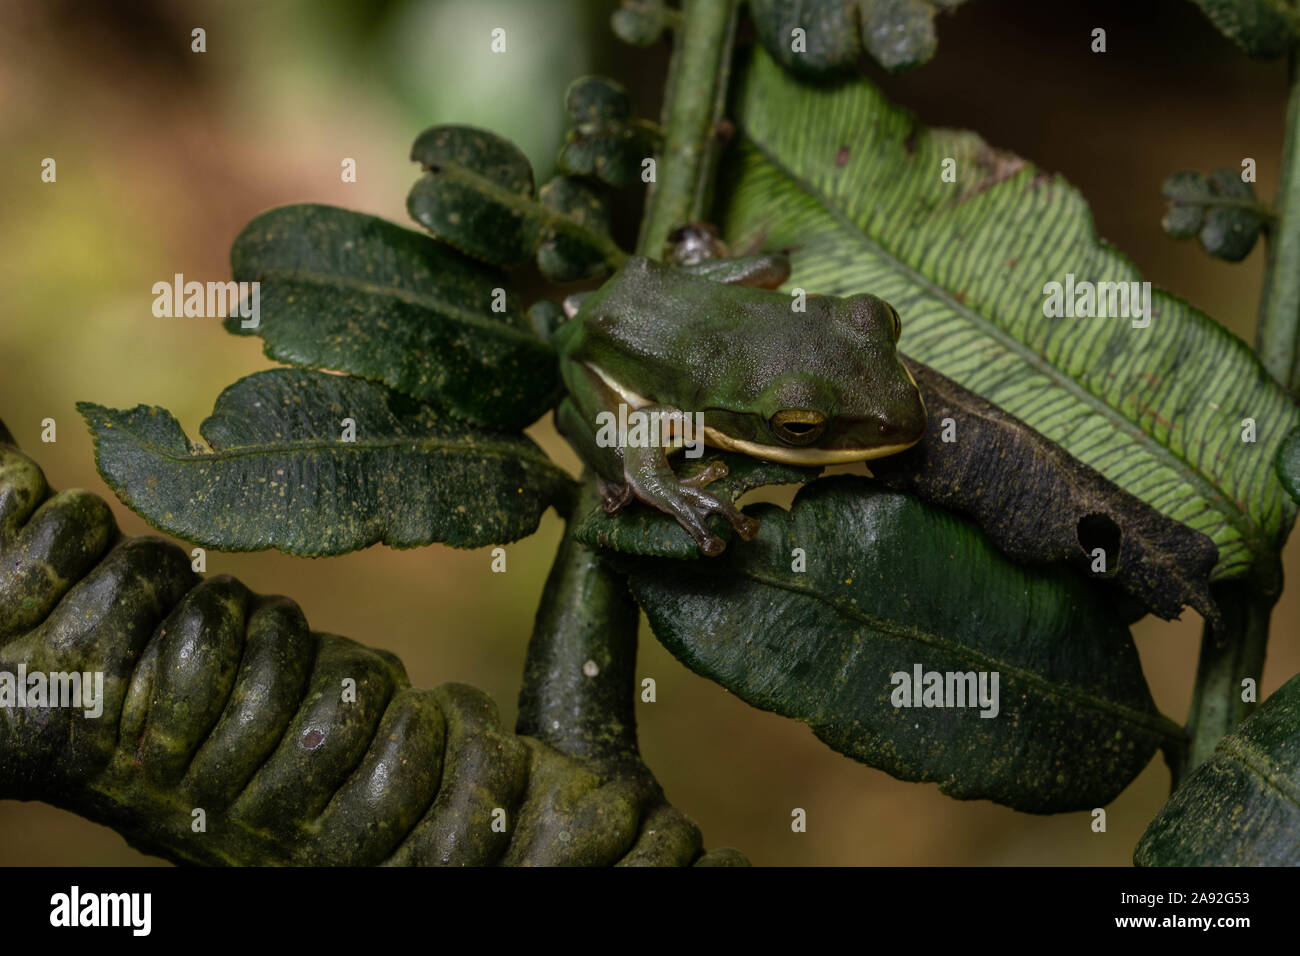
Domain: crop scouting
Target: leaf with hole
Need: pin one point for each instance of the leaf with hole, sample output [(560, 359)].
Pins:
[(890, 591), (1041, 506), (317, 464), (854, 188)]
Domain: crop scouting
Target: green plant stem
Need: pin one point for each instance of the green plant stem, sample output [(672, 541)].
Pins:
[(1278, 333), (693, 98), (1235, 652), (579, 678), (1227, 658), (578, 689)]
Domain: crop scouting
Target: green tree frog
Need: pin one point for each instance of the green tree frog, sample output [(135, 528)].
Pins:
[(719, 361)]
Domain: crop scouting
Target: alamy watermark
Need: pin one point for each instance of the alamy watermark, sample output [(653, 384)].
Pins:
[(659, 428), (211, 300), (75, 908), (1101, 300), (84, 690), (923, 688)]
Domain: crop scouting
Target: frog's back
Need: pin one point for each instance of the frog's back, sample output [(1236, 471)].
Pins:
[(685, 328)]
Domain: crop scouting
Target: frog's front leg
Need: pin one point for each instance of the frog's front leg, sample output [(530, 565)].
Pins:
[(648, 477), (640, 470), (617, 495)]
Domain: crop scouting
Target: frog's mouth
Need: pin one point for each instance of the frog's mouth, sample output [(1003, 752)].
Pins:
[(786, 455), (800, 456)]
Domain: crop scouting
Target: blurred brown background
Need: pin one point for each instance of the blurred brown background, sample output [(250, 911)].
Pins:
[(163, 155)]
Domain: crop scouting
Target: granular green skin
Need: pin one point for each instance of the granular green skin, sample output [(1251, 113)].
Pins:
[(223, 700)]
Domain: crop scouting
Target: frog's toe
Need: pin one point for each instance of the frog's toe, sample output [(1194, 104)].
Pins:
[(710, 544), (614, 495), (711, 473), (688, 506), (694, 519), (745, 526)]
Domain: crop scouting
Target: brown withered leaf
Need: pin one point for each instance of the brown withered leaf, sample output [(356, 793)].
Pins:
[(1040, 505)]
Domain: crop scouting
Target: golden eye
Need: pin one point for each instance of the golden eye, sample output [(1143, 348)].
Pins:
[(898, 323), (798, 426)]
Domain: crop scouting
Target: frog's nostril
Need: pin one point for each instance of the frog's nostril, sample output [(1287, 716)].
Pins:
[(798, 426)]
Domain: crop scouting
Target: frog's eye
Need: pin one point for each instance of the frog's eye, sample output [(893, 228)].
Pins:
[(798, 426), (897, 323)]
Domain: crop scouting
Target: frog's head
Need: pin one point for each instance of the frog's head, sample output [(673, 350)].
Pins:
[(835, 391)]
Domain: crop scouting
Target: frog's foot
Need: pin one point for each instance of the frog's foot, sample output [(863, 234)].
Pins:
[(691, 506), (616, 495)]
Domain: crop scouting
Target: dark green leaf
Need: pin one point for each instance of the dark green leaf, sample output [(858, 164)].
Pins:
[(477, 195), (897, 33), (488, 155), (1187, 192), (223, 700), (891, 585), (276, 472), (1222, 210), (346, 291), (1263, 28), (564, 257), (1041, 506), (1242, 806), (1230, 231), (644, 531), (1157, 410), (829, 41), (603, 141), (613, 157), (597, 99)]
